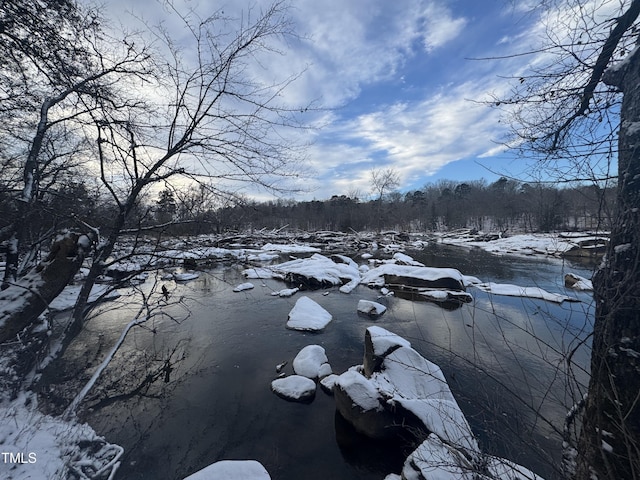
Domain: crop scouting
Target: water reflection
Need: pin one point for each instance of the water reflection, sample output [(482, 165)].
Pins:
[(503, 357)]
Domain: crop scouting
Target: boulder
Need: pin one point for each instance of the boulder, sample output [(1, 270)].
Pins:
[(232, 470), (312, 362), (295, 388), (398, 392), (378, 343), (373, 309), (307, 315)]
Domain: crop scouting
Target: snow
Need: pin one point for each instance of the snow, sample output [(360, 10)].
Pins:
[(232, 470), (444, 418), (576, 282), (185, 277), (383, 340), (243, 286), (49, 446), (404, 259), (375, 276), (258, 273), (294, 387), (319, 268), (307, 315), (310, 362), (285, 292), (371, 308), (290, 248), (517, 291), (328, 382), (551, 244), (67, 298), (360, 390)]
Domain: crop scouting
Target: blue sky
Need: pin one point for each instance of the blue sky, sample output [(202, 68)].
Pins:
[(398, 85)]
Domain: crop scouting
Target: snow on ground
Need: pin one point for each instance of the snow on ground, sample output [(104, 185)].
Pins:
[(312, 362), (232, 470), (37, 446), (529, 292), (308, 315)]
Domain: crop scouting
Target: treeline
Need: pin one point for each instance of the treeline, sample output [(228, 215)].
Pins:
[(504, 205)]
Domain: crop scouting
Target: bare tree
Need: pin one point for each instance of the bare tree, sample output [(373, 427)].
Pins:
[(152, 112), (583, 106)]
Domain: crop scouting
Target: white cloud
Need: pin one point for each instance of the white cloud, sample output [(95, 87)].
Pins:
[(440, 27)]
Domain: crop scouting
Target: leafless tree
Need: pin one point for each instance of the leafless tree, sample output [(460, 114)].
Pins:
[(149, 112), (581, 105)]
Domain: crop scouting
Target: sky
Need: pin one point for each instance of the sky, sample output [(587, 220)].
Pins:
[(400, 85)]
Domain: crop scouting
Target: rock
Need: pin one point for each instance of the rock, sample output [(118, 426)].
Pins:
[(360, 403), (414, 277), (285, 292), (295, 388), (319, 271), (576, 282), (378, 343), (328, 382), (243, 286), (232, 470), (312, 362), (307, 315), (435, 459), (398, 392), (370, 308)]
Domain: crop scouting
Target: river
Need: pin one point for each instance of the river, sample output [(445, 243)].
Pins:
[(503, 358)]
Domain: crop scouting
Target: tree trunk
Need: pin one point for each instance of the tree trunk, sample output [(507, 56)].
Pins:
[(24, 300), (609, 446)]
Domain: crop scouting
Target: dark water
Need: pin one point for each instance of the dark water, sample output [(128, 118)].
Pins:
[(503, 357)]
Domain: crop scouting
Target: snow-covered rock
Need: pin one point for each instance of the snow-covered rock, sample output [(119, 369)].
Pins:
[(397, 390), (232, 470), (373, 309), (294, 387), (312, 362), (243, 286), (307, 315), (318, 271), (414, 276), (438, 460), (285, 292), (328, 382), (518, 291), (400, 390), (258, 273), (576, 282), (404, 259)]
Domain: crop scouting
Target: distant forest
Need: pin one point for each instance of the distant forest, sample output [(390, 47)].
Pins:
[(504, 205)]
